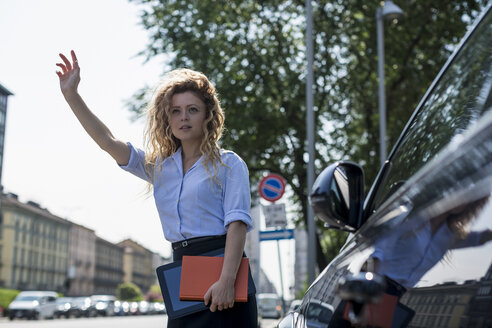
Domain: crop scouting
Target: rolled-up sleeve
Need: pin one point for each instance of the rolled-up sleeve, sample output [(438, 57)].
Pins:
[(237, 197), (136, 164)]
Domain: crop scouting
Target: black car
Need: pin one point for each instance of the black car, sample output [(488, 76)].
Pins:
[(63, 307), (83, 307), (419, 252), (104, 304)]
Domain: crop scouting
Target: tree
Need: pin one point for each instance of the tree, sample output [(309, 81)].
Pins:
[(254, 52), (128, 291)]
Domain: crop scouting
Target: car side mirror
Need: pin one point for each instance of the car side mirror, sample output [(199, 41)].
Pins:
[(337, 196)]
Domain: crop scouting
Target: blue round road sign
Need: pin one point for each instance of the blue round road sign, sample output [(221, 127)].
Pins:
[(272, 187)]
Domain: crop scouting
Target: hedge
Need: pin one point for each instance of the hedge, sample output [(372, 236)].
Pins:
[(6, 297)]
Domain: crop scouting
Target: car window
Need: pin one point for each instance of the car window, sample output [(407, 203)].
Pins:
[(458, 100), (27, 298)]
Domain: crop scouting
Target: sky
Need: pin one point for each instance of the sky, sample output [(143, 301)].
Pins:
[(48, 157)]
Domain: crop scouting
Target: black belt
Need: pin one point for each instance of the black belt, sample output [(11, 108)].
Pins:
[(188, 242), (394, 288)]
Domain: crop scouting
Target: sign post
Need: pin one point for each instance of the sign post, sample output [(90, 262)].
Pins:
[(272, 188), (275, 215)]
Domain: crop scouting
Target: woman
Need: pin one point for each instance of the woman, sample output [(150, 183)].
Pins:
[(201, 192)]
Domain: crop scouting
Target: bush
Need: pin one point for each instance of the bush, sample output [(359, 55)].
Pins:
[(6, 297), (129, 292), (154, 294)]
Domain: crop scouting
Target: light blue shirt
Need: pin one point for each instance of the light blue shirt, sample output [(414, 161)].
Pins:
[(194, 204), (407, 255)]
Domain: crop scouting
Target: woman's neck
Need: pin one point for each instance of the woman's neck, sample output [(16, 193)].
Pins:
[(190, 151)]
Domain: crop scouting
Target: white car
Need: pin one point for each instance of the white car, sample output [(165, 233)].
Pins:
[(33, 305)]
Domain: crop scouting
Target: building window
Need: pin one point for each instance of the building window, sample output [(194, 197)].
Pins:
[(17, 230), (24, 233), (14, 269)]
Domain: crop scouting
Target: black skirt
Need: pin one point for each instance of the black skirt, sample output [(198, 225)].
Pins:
[(241, 315)]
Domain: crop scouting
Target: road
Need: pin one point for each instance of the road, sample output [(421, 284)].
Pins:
[(151, 321)]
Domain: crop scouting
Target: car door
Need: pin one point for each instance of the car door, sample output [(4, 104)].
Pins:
[(428, 216)]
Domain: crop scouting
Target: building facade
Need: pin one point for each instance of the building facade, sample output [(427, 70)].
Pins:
[(33, 247), (109, 267), (479, 311), (4, 94), (301, 264), (252, 245), (137, 265), (443, 305), (39, 250), (82, 261), (157, 261)]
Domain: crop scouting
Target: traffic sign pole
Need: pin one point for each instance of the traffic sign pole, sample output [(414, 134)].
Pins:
[(272, 188), (277, 235), (281, 276)]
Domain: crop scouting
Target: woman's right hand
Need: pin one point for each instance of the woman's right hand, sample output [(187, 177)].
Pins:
[(70, 75)]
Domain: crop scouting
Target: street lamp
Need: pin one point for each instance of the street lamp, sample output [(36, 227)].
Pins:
[(389, 11), (310, 136)]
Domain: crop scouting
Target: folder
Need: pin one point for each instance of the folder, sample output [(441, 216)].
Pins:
[(198, 273), (169, 276)]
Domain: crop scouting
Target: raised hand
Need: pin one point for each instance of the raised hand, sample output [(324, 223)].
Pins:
[(70, 74)]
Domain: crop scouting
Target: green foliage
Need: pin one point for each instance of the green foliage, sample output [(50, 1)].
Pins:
[(6, 297), (332, 241), (154, 294), (254, 52), (300, 294), (129, 292)]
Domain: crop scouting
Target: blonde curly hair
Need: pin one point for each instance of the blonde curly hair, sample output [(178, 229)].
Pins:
[(159, 140)]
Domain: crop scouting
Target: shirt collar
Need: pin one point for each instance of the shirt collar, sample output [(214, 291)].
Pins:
[(178, 159)]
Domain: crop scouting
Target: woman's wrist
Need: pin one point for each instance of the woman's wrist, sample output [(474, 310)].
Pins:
[(71, 95), (227, 279)]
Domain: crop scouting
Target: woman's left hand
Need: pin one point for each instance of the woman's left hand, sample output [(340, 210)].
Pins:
[(220, 295)]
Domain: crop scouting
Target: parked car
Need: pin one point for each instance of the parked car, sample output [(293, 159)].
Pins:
[(269, 305), (419, 251), (159, 307), (63, 307), (83, 307), (134, 308), (104, 304), (33, 305), (121, 308), (144, 307), (294, 305)]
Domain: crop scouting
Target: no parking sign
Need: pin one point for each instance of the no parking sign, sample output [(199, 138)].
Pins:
[(272, 187)]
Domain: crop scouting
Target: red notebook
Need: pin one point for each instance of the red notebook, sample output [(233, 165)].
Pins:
[(198, 273)]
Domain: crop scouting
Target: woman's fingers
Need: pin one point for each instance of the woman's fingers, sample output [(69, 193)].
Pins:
[(66, 61), (74, 59), (67, 66), (63, 67)]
